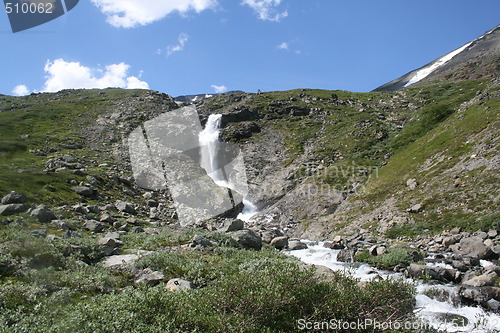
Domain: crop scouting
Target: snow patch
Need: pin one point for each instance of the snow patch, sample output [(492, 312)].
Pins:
[(424, 72)]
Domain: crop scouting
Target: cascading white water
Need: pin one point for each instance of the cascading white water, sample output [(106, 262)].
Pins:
[(428, 309), (209, 145)]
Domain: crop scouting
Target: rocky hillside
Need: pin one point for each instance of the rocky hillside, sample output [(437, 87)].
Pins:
[(318, 162), (405, 163)]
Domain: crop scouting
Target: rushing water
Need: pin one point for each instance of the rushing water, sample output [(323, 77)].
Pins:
[(443, 315), (214, 165)]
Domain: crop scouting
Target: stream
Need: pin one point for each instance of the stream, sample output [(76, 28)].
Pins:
[(445, 315)]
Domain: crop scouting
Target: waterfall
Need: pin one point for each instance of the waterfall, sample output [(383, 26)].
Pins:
[(215, 165), (209, 145)]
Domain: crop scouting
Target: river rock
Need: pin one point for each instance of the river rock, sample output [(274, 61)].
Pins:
[(492, 233), (345, 255), (435, 273), (333, 245), (479, 295), (269, 235), (493, 305), (480, 281), (14, 198), (473, 246), (280, 242), (296, 245), (450, 240), (179, 285), (12, 209), (247, 238)]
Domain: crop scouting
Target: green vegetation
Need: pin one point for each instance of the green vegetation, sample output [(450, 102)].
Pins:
[(394, 256), (63, 288), (36, 128)]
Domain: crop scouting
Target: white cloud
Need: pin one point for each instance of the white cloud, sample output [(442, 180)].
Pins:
[(72, 75), (286, 47), (266, 9), (20, 90), (219, 89), (133, 13), (182, 40), (282, 46)]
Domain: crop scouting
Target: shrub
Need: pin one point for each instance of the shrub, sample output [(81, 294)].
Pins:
[(393, 257)]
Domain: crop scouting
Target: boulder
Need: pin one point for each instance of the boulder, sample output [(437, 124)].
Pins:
[(493, 305), (269, 235), (479, 295), (450, 240), (231, 225), (12, 209), (333, 245), (247, 238), (480, 281), (345, 255), (492, 233), (174, 285), (125, 207), (14, 198), (377, 250), (84, 191), (106, 218), (412, 183), (200, 241), (43, 214), (474, 246), (296, 245), (416, 208), (280, 242), (436, 273), (94, 226), (120, 261), (149, 277)]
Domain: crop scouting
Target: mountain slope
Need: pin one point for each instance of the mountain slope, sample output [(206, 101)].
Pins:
[(324, 162), (479, 58)]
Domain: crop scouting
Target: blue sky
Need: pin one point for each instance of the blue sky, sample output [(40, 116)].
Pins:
[(203, 46)]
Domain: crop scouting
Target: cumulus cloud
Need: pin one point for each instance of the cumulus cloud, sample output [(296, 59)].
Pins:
[(266, 9), (20, 90), (133, 13), (182, 40), (219, 89), (72, 75)]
